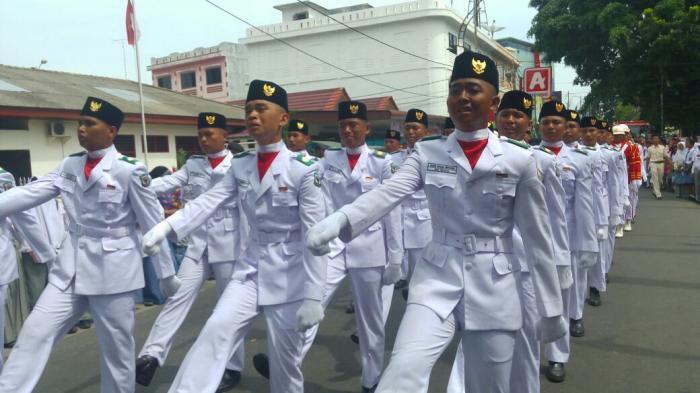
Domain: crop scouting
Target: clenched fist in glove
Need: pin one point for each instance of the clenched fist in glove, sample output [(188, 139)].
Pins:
[(392, 274), (552, 328), (318, 237), (587, 259), (602, 232), (169, 285), (309, 314), (566, 278), (153, 238)]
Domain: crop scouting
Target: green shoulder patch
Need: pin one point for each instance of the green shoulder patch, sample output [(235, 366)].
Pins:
[(517, 143), (379, 153), (430, 138), (82, 153), (333, 149), (242, 154), (196, 157), (306, 160), (590, 148), (544, 149), (581, 151), (129, 160), (145, 180)]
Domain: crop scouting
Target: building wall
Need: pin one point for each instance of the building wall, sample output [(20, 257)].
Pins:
[(46, 152)]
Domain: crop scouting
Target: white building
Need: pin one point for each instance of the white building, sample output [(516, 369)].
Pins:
[(39, 113), (425, 28)]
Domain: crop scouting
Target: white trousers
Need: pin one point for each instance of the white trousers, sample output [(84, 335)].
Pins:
[(560, 349), (225, 330), (525, 371), (413, 255), (367, 290), (610, 248), (387, 297), (596, 274), (423, 337), (577, 296), (54, 314), (193, 274), (3, 299)]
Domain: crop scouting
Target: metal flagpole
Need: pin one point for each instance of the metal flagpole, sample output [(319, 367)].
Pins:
[(138, 73)]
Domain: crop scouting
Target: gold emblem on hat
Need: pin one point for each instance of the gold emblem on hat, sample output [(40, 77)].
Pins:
[(419, 115), (574, 114), (593, 121), (604, 124), (95, 106), (559, 106), (210, 119), (354, 108), (479, 66), (300, 125), (527, 103), (268, 90)]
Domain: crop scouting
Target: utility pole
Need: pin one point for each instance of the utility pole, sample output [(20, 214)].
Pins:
[(661, 99)]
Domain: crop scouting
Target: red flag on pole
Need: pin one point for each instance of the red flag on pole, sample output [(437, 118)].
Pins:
[(132, 33)]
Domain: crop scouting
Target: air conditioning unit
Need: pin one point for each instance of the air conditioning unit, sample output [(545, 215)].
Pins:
[(57, 129)]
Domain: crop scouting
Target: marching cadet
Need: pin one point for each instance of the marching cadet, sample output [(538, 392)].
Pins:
[(478, 187), (603, 185), (298, 136), (373, 259), (214, 246), (30, 227), (634, 171), (513, 120), (583, 245), (280, 194), (416, 223), (392, 142), (99, 265)]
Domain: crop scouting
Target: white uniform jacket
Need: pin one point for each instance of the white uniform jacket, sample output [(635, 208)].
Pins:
[(471, 255), (27, 223), (102, 253), (601, 183), (280, 209), (417, 228), (577, 178), (617, 179), (223, 235), (381, 242)]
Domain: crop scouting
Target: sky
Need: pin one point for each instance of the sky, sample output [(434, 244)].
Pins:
[(89, 36)]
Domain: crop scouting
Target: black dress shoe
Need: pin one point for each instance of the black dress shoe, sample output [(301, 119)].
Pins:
[(607, 280), (369, 390), (146, 367), (350, 309), (73, 330), (262, 365), (401, 284), (85, 324), (404, 293), (355, 338), (576, 328), (229, 381), (594, 297), (555, 372)]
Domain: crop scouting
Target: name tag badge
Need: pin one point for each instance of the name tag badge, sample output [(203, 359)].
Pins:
[(68, 176), (502, 175), (334, 169), (442, 168)]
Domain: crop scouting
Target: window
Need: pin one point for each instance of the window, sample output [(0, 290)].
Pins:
[(156, 143), (452, 43), (14, 124), (300, 15), (125, 144), (165, 82), (213, 75), (188, 80), (189, 144)]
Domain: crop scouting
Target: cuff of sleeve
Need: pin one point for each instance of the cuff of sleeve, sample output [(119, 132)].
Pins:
[(346, 232), (395, 258), (313, 291), (563, 258), (178, 224), (551, 308)]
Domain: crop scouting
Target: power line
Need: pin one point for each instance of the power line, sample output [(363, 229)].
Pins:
[(308, 4), (312, 56), (407, 87)]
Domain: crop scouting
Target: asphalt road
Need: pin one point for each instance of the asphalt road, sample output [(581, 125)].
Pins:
[(644, 338)]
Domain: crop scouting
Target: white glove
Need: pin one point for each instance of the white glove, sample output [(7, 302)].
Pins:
[(587, 259), (637, 184), (602, 232), (153, 238), (566, 278), (309, 314), (627, 204), (552, 328), (169, 285), (392, 274), (318, 237)]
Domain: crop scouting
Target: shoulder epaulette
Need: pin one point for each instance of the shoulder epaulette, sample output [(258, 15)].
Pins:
[(430, 138), (82, 153), (379, 153), (580, 151), (544, 149), (242, 154), (517, 143), (333, 149), (590, 148), (306, 160), (129, 160), (196, 157)]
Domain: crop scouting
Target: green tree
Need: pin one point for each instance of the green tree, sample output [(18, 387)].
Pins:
[(630, 52)]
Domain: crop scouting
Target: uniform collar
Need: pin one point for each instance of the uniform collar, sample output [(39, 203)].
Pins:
[(357, 150), (100, 153), (219, 154), (477, 135), (271, 148)]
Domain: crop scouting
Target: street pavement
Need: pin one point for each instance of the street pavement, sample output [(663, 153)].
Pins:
[(644, 338)]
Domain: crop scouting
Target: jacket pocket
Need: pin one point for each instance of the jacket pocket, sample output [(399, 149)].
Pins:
[(110, 244), (435, 254)]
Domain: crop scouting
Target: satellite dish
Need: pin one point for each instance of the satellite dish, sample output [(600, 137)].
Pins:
[(492, 28)]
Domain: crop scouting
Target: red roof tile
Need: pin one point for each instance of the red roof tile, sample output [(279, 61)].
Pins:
[(385, 103)]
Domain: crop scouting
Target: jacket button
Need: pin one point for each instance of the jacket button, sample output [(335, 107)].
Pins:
[(510, 266), (81, 246), (468, 266)]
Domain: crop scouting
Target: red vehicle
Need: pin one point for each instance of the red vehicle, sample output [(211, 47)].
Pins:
[(637, 127)]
